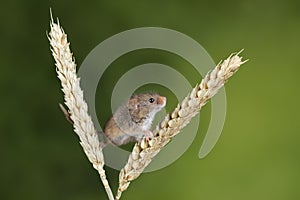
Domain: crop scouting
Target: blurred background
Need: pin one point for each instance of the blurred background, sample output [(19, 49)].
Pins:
[(258, 154)]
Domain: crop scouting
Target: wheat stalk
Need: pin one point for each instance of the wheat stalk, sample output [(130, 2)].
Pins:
[(144, 151), (73, 95)]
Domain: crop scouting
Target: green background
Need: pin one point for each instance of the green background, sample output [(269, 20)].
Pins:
[(257, 156)]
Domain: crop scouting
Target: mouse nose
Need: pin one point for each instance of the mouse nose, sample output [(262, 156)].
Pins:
[(162, 100)]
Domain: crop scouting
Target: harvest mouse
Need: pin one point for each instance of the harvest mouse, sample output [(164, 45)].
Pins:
[(132, 120)]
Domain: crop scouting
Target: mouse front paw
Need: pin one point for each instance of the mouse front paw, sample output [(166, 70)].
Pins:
[(148, 135)]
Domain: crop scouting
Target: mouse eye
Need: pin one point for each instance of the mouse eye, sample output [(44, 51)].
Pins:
[(151, 100)]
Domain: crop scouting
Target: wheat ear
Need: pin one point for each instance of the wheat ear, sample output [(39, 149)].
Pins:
[(83, 125), (144, 151)]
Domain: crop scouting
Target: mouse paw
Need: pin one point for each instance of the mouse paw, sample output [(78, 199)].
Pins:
[(148, 135)]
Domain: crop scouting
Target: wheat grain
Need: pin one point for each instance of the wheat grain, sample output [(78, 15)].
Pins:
[(73, 95), (144, 151)]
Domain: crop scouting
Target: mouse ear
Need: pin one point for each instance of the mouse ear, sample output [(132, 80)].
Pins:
[(132, 104)]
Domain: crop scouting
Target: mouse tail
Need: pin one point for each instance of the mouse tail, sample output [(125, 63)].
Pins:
[(66, 113), (102, 138)]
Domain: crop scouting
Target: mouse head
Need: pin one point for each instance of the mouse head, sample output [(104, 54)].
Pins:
[(146, 104)]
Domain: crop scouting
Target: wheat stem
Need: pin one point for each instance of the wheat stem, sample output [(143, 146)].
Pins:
[(144, 151), (73, 95)]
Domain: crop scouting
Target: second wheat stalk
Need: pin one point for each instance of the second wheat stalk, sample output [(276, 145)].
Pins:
[(144, 151)]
